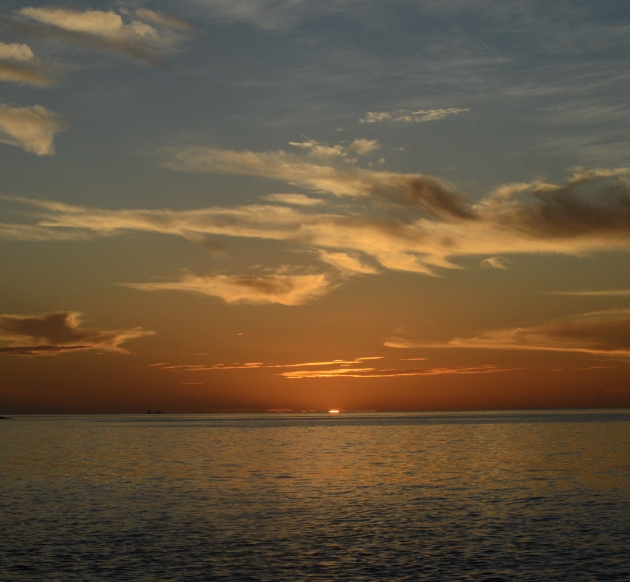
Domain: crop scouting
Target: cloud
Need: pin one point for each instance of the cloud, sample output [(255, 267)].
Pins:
[(29, 232), (603, 333), (393, 372), (295, 199), (265, 14), (496, 262), (20, 74), (18, 64), (30, 128), (589, 213), (54, 333), (254, 365), (16, 52), (108, 25), (346, 263), (104, 29), (364, 146), (254, 289), (408, 116), (343, 369), (428, 193), (361, 147), (207, 367), (598, 293), (163, 19)]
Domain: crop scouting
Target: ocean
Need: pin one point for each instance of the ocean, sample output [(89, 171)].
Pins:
[(356, 496)]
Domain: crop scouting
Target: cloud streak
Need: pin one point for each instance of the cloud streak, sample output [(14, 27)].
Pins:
[(409, 116), (30, 128), (255, 365), (343, 369), (594, 293), (293, 199), (601, 333), (55, 333), (102, 29), (589, 213), (393, 372), (316, 172), (18, 73), (254, 289), (18, 64), (346, 263)]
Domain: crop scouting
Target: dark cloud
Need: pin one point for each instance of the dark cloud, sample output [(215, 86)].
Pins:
[(600, 333), (428, 193), (590, 204), (54, 333)]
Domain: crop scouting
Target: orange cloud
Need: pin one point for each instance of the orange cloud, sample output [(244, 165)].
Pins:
[(602, 333), (590, 213), (255, 365), (255, 289), (392, 373)]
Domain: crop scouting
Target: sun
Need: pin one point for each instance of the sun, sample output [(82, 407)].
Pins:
[(333, 411)]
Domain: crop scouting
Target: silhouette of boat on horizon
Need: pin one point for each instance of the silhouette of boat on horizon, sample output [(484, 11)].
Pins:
[(153, 411)]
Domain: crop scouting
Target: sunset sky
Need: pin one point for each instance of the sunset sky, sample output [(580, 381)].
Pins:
[(231, 205)]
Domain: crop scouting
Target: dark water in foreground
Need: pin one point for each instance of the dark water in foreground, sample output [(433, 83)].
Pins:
[(443, 496)]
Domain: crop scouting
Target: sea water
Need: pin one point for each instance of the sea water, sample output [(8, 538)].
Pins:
[(355, 496)]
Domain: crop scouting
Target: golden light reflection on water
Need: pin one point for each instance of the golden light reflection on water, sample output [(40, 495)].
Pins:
[(269, 480), (201, 449)]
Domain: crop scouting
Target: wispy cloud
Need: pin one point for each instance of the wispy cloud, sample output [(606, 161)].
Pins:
[(589, 213), (335, 369), (256, 365), (324, 151), (30, 232), (93, 22), (393, 372), (346, 263), (594, 293), (55, 333), (265, 14), (254, 289), (163, 19), (17, 73), (16, 52), (409, 116), (293, 199), (19, 65), (105, 29), (316, 172), (496, 262), (603, 333), (30, 128)]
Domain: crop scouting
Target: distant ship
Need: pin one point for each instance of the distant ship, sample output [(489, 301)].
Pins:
[(153, 411)]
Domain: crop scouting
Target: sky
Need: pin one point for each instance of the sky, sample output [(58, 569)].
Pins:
[(289, 205)]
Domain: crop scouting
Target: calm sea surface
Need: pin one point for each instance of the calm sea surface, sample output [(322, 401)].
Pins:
[(439, 496)]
